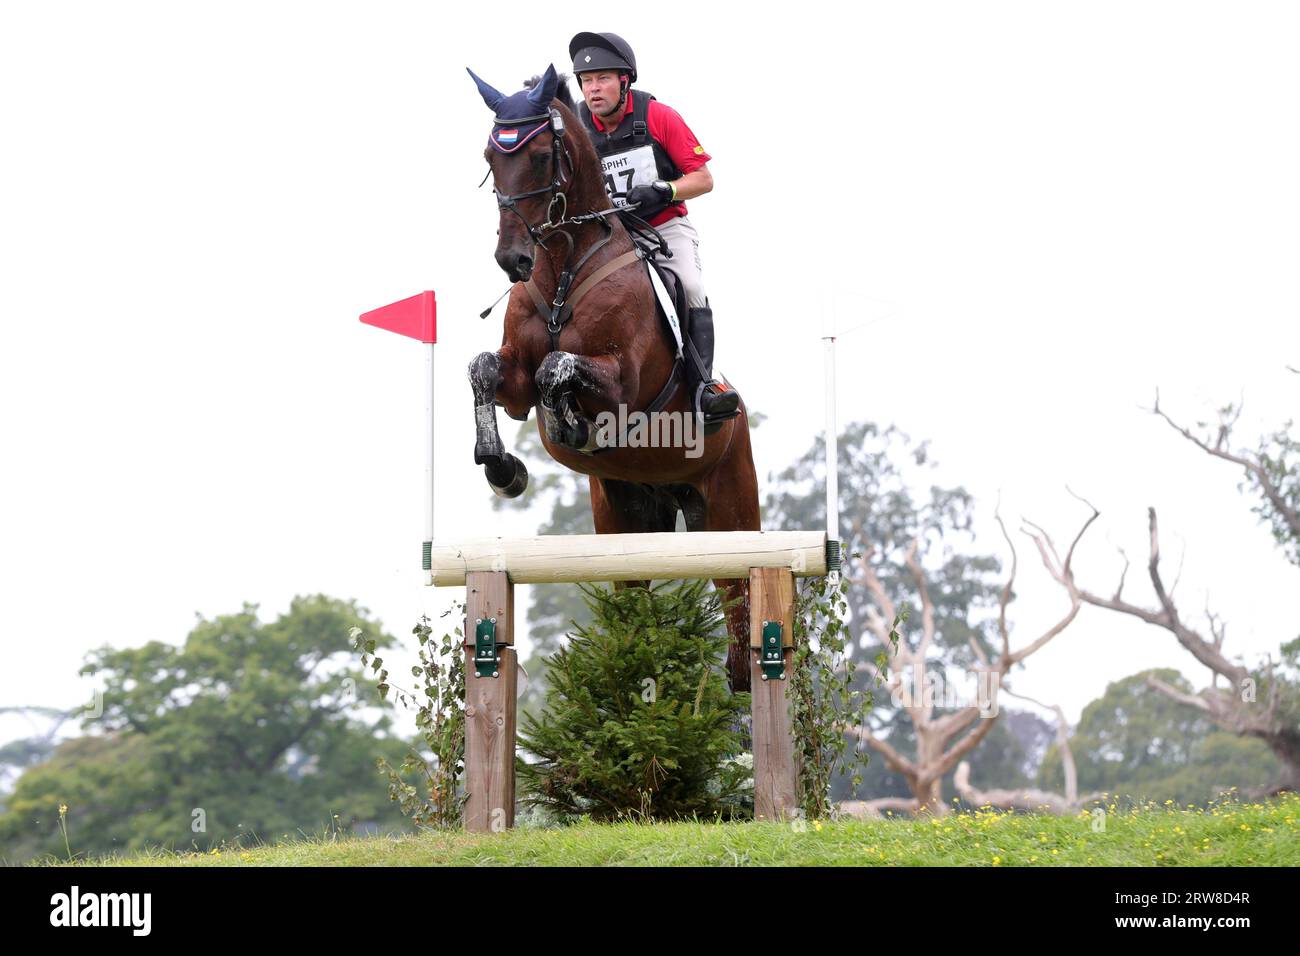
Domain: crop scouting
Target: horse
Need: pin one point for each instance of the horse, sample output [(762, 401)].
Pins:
[(582, 340)]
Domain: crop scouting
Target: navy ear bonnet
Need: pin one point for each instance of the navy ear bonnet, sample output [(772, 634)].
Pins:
[(521, 116)]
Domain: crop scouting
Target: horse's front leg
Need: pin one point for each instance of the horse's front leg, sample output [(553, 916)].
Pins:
[(488, 372), (563, 378)]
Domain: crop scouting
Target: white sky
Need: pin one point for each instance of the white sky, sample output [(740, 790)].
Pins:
[(1059, 209)]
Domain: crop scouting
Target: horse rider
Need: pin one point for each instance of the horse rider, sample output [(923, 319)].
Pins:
[(652, 160)]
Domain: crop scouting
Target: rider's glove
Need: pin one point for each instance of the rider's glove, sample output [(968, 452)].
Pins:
[(655, 196)]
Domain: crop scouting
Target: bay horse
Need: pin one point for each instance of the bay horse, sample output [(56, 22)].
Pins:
[(580, 352)]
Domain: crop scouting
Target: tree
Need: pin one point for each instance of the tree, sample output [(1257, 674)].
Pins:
[(1009, 755), (1145, 745), (1261, 701), (946, 734), (638, 718), (906, 555), (1267, 472), (1032, 799), (248, 730), (17, 755)]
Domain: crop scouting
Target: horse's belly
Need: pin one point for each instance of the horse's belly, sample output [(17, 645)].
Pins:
[(650, 465)]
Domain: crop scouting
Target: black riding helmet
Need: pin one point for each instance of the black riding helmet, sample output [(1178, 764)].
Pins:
[(602, 51)]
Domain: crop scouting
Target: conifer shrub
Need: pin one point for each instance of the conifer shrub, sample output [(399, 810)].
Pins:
[(639, 721)]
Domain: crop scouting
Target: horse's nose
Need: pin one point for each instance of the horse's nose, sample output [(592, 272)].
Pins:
[(517, 265), (520, 268)]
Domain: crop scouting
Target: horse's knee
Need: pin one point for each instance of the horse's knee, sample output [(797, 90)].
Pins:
[(554, 374), (484, 375)]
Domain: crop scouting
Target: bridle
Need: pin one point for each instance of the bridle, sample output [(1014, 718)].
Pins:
[(559, 157), (543, 232)]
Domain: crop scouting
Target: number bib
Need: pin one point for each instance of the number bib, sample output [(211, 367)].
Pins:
[(626, 170)]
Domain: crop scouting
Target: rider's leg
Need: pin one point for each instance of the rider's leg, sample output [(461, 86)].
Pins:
[(715, 401), (684, 242)]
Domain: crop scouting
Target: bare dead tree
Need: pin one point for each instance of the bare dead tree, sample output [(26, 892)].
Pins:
[(1267, 482), (57, 717), (1040, 801), (942, 741), (1234, 707)]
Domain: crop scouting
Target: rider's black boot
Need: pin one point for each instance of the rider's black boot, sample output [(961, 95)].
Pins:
[(717, 401)]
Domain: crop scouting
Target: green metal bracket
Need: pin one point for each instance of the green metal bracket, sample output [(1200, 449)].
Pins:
[(772, 656), (485, 648), (832, 555)]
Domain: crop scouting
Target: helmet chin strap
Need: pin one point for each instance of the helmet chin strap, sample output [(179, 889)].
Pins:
[(617, 108)]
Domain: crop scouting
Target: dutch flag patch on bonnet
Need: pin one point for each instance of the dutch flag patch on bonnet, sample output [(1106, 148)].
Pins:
[(507, 139)]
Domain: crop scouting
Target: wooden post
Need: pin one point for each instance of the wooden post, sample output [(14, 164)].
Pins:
[(771, 598), (490, 707)]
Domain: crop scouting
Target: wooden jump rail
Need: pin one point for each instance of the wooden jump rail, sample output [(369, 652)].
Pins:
[(561, 559), (490, 567)]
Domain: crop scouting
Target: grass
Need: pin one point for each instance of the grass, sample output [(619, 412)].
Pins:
[(1222, 834)]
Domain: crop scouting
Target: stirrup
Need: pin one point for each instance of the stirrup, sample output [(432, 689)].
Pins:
[(725, 402)]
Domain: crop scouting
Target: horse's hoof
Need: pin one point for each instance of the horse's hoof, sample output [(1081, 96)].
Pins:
[(507, 476)]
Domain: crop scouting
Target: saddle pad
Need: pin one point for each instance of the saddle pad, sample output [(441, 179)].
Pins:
[(666, 305)]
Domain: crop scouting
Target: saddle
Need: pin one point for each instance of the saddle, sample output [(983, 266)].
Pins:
[(670, 303)]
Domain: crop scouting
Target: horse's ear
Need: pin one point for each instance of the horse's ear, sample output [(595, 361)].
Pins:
[(490, 96), (540, 96)]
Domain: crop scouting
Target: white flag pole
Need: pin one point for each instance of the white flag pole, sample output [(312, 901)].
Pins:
[(417, 317), (832, 453), (428, 464)]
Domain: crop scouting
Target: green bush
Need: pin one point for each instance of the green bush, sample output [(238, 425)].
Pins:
[(638, 719)]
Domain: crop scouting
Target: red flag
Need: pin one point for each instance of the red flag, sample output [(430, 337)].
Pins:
[(416, 317)]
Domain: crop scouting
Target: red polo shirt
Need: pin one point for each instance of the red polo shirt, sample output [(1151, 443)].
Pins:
[(668, 129)]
